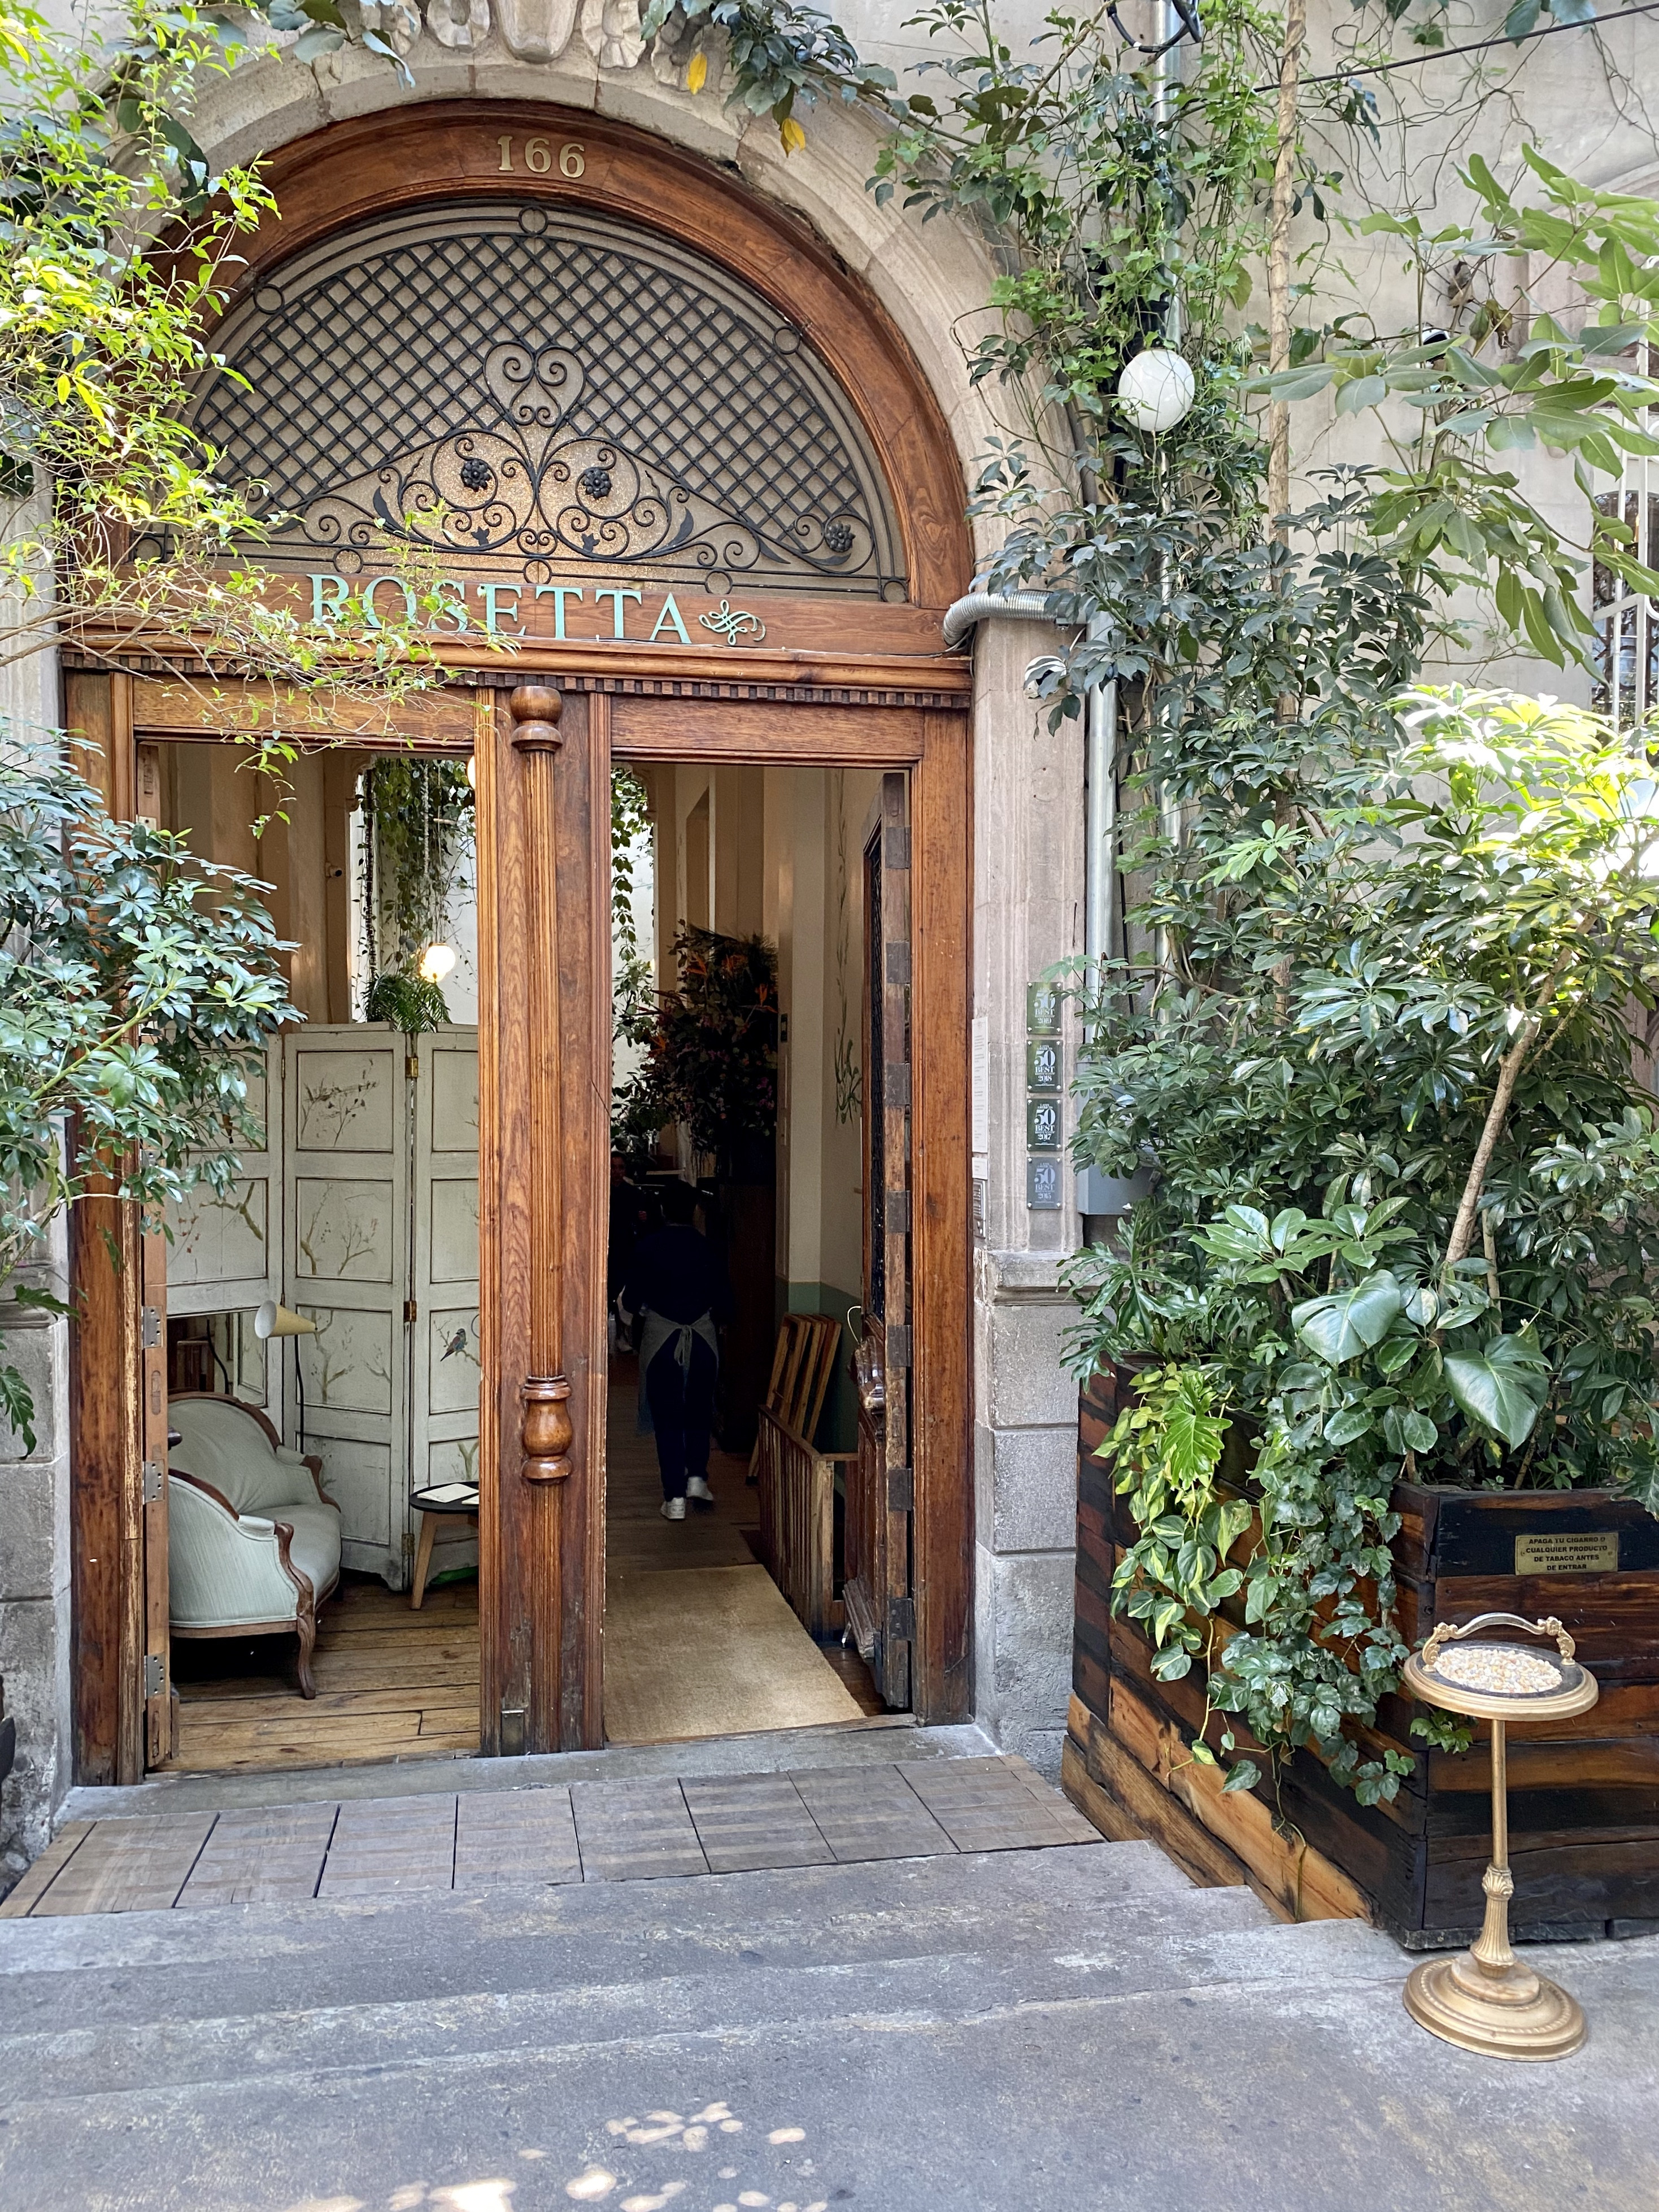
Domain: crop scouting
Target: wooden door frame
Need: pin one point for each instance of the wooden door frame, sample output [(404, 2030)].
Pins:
[(545, 1140), (545, 1047)]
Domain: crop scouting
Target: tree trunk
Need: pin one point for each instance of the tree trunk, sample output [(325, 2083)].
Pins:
[(1279, 262)]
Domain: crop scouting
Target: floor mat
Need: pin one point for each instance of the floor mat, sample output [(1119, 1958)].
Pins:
[(711, 1651)]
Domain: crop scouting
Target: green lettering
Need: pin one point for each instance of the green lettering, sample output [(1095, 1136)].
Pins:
[(335, 606), (617, 593), (490, 593), (558, 593), (668, 619)]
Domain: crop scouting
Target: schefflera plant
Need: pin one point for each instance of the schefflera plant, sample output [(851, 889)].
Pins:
[(1407, 1204)]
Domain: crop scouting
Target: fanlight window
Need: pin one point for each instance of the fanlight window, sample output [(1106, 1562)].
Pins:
[(534, 390)]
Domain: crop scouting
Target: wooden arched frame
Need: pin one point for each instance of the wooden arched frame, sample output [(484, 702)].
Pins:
[(342, 176), (544, 1045)]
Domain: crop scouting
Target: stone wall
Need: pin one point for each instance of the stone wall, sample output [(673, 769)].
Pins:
[(1028, 914)]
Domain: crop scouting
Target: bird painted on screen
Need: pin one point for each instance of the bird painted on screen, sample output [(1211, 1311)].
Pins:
[(457, 1343)]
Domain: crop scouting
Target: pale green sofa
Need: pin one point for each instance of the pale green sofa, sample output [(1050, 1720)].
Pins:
[(253, 1546)]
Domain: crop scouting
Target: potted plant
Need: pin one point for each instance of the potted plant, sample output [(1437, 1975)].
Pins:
[(1379, 1346)]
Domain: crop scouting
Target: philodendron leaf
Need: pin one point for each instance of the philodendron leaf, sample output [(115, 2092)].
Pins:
[(1502, 1386), (1349, 1321)]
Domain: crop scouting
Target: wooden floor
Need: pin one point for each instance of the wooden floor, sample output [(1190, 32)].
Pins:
[(590, 1832), (391, 1684), (727, 1658)]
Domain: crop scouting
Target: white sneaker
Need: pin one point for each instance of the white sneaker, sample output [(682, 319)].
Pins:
[(673, 1508), (698, 1488)]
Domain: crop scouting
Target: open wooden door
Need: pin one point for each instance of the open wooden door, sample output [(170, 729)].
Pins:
[(160, 1706), (879, 1589)]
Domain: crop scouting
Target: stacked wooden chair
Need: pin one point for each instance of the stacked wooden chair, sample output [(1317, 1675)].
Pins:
[(797, 1483)]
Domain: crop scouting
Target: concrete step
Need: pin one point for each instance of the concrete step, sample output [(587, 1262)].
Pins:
[(869, 1742), (102, 2007), (1049, 2029)]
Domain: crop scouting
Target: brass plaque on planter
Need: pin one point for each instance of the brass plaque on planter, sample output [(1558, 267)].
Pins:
[(1579, 1552)]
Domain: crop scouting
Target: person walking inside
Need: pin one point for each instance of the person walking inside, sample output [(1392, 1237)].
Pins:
[(676, 1288)]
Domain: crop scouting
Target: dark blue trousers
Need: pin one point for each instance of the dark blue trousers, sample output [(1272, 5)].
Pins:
[(682, 1402)]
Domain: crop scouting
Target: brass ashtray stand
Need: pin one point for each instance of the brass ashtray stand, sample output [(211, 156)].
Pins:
[(1484, 1998)]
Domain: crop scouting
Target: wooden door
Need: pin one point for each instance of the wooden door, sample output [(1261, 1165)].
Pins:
[(443, 1413), (160, 1706), (879, 1590), (346, 1234)]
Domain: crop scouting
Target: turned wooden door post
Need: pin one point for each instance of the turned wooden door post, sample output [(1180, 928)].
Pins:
[(542, 776)]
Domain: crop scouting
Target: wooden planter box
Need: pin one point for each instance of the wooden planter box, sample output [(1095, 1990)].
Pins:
[(1584, 1796)]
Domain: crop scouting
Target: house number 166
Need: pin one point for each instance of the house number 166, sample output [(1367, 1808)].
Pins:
[(538, 158)]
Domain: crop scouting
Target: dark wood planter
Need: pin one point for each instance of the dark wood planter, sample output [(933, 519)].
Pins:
[(1583, 1796)]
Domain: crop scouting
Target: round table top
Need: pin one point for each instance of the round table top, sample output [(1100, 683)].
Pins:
[(447, 1497), (1502, 1682)]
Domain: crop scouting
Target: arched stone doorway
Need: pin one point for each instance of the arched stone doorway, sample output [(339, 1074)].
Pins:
[(665, 446)]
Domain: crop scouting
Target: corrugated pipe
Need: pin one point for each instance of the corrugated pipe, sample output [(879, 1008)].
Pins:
[(979, 606)]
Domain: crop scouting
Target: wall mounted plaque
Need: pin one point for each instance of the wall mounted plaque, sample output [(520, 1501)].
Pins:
[(1041, 1009), (1568, 1552), (1042, 1065), (1042, 1125), (1042, 1186)]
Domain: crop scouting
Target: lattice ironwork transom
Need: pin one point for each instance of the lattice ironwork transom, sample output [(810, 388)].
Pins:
[(542, 389)]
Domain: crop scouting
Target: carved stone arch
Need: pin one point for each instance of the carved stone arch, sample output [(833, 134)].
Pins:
[(430, 177)]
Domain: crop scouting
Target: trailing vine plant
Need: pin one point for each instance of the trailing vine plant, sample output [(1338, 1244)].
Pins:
[(417, 828)]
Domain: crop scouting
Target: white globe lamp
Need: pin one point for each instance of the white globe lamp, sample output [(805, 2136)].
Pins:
[(1156, 389)]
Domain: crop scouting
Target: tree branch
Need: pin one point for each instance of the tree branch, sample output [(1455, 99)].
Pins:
[(1509, 1074)]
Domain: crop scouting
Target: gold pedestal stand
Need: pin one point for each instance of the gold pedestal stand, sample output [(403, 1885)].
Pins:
[(1485, 1999)]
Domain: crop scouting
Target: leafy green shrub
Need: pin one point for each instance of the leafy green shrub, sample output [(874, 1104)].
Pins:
[(138, 988), (1406, 1202)]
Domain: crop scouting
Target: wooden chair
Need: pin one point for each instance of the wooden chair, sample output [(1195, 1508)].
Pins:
[(803, 1361)]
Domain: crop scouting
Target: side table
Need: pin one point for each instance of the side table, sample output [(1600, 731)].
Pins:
[(432, 1505)]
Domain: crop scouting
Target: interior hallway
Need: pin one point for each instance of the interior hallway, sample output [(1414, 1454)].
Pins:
[(699, 1641)]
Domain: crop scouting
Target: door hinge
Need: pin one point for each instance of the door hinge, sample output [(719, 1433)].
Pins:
[(896, 847), (156, 1673), (409, 1312), (898, 962), (411, 1067), (513, 1731), (151, 1332), (895, 1083), (895, 1218), (152, 1482), (901, 1489), (900, 1620), (898, 1348)]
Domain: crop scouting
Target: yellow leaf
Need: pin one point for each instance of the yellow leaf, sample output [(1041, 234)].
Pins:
[(792, 135), (697, 75)]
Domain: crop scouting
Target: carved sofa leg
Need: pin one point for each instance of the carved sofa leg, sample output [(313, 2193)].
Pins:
[(305, 1614), (307, 1624)]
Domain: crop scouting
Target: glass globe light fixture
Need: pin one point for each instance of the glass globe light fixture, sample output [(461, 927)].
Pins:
[(1156, 389)]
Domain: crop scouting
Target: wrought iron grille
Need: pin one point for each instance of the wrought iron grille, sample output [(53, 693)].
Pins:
[(502, 379)]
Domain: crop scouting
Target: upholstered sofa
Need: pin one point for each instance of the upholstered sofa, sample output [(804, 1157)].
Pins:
[(253, 1546)]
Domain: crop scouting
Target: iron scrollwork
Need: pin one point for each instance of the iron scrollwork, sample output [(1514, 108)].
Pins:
[(509, 381)]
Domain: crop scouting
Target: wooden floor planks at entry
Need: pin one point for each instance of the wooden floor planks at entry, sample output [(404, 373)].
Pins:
[(391, 1684), (634, 1831)]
